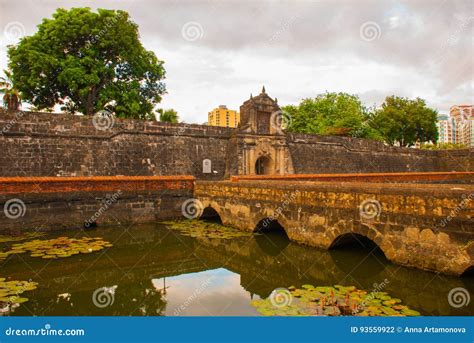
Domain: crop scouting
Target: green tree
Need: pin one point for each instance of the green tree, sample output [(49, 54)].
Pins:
[(402, 121), (170, 115), (11, 95), (88, 61), (331, 114)]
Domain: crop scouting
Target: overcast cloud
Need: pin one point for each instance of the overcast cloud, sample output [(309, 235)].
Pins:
[(218, 52)]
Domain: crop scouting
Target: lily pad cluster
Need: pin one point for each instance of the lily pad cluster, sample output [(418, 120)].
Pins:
[(10, 292), (200, 228), (58, 247), (22, 237), (332, 301)]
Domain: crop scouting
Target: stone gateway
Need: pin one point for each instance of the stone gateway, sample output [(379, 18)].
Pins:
[(261, 145)]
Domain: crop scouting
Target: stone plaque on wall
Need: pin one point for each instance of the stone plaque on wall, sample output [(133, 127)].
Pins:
[(206, 166), (263, 123)]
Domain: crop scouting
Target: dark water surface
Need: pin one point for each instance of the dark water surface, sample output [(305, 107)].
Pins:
[(152, 270)]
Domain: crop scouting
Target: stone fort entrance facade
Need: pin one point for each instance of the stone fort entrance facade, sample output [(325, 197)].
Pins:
[(259, 145)]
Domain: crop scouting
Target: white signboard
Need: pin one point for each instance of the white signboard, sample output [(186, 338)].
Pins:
[(206, 166)]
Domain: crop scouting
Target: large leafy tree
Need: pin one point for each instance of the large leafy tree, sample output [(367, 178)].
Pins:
[(402, 121), (88, 61), (331, 114)]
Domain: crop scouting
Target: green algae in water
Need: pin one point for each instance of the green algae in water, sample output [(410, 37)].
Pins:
[(200, 228), (331, 301), (10, 292), (58, 247)]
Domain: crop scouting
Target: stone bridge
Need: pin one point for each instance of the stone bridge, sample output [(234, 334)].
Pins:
[(426, 226)]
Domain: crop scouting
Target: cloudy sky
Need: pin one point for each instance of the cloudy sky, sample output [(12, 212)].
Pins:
[(218, 52)]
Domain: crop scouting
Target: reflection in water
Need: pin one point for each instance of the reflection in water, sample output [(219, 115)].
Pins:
[(272, 243), (214, 292), (357, 256), (158, 271)]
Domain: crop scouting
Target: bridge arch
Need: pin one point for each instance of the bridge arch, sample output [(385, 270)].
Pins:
[(469, 272), (354, 239), (274, 239), (211, 209), (349, 252), (364, 238), (210, 213), (270, 225)]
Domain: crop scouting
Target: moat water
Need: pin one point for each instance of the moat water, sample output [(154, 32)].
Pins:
[(153, 270)]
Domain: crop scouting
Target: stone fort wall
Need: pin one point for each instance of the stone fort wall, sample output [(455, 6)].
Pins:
[(44, 144), (40, 144), (332, 154)]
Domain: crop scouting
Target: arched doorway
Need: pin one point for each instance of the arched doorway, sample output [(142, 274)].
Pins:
[(263, 166)]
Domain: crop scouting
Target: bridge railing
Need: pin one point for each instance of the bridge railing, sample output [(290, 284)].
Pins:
[(11, 185), (417, 177)]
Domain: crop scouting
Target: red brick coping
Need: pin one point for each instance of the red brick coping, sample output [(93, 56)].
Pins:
[(363, 177), (9, 185)]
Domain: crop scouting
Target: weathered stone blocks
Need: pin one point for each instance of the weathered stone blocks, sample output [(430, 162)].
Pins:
[(410, 229)]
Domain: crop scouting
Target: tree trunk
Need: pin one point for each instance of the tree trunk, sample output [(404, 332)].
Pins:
[(90, 105)]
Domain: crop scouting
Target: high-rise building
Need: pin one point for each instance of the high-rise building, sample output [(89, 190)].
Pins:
[(458, 126), (446, 127), (222, 116), (463, 119)]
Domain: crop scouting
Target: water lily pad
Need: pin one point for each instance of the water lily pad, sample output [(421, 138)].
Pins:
[(10, 292), (59, 247), (334, 301), (22, 237), (408, 312), (18, 300)]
